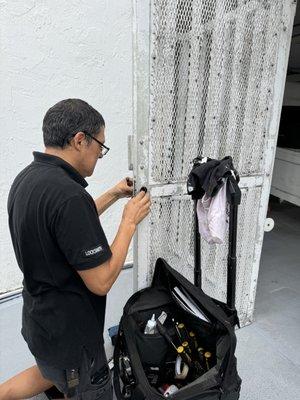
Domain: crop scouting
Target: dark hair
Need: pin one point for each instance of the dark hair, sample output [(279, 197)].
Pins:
[(68, 117)]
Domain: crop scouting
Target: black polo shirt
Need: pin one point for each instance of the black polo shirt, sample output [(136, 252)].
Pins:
[(56, 231)]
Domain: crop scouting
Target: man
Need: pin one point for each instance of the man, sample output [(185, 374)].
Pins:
[(67, 264)]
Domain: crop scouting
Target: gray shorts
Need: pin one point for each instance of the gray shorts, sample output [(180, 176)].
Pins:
[(91, 381)]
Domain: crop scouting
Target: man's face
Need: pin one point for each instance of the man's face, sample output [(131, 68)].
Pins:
[(91, 153)]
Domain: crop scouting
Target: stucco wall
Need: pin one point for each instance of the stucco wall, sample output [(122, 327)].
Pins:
[(50, 50)]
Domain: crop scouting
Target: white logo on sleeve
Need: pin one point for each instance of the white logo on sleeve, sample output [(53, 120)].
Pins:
[(93, 251)]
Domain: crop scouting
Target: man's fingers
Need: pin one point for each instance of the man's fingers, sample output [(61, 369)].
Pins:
[(140, 195), (142, 199), (144, 212), (129, 181), (145, 199), (146, 206)]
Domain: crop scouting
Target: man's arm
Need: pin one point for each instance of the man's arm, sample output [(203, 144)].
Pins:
[(120, 190), (100, 279), (106, 200)]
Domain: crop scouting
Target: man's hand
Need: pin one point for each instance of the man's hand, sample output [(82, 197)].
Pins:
[(124, 188), (137, 208)]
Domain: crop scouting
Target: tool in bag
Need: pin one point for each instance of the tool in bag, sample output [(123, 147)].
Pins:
[(191, 355)]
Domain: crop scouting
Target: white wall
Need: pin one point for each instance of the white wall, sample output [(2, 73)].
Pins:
[(51, 50)]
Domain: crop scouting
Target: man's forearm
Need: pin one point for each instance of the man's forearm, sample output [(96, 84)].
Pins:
[(119, 249), (104, 201)]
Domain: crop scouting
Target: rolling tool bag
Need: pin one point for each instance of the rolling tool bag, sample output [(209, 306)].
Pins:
[(144, 363)]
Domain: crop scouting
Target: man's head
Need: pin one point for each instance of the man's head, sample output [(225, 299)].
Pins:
[(71, 129)]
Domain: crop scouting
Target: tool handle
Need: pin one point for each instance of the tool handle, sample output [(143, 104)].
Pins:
[(163, 331)]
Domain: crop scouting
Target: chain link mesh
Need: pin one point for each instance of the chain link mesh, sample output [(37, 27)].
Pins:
[(212, 72), (171, 233), (172, 238)]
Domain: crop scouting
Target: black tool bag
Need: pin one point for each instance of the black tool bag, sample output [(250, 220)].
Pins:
[(144, 363), (221, 381)]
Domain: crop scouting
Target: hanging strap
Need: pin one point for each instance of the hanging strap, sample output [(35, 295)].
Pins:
[(234, 199)]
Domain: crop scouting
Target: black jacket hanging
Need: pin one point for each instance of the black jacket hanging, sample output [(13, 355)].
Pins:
[(208, 177)]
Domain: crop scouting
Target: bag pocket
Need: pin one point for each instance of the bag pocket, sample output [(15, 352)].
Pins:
[(152, 349), (190, 315), (101, 391)]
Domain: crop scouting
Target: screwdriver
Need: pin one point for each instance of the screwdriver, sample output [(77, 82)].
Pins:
[(183, 332), (186, 347), (177, 330), (185, 357), (163, 331), (201, 355), (207, 356), (194, 341)]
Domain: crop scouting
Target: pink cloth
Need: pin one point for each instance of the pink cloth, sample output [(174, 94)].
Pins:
[(212, 217)]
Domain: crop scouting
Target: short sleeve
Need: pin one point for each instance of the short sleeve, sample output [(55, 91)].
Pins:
[(79, 234)]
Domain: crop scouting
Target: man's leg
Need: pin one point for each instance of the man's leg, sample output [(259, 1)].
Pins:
[(26, 384)]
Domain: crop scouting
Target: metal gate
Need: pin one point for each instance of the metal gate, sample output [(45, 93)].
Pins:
[(209, 78)]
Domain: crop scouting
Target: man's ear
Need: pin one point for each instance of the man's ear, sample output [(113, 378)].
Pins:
[(79, 139)]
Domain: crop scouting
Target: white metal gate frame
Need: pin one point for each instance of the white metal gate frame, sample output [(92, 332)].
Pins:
[(144, 57)]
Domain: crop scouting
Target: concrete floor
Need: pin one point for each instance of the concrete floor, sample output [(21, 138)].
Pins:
[(268, 351)]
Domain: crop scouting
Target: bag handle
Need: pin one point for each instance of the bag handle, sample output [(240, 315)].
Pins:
[(234, 199)]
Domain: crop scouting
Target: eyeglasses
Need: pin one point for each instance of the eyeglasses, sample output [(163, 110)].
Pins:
[(104, 149)]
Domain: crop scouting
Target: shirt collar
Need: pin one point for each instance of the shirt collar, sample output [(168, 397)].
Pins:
[(59, 162)]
